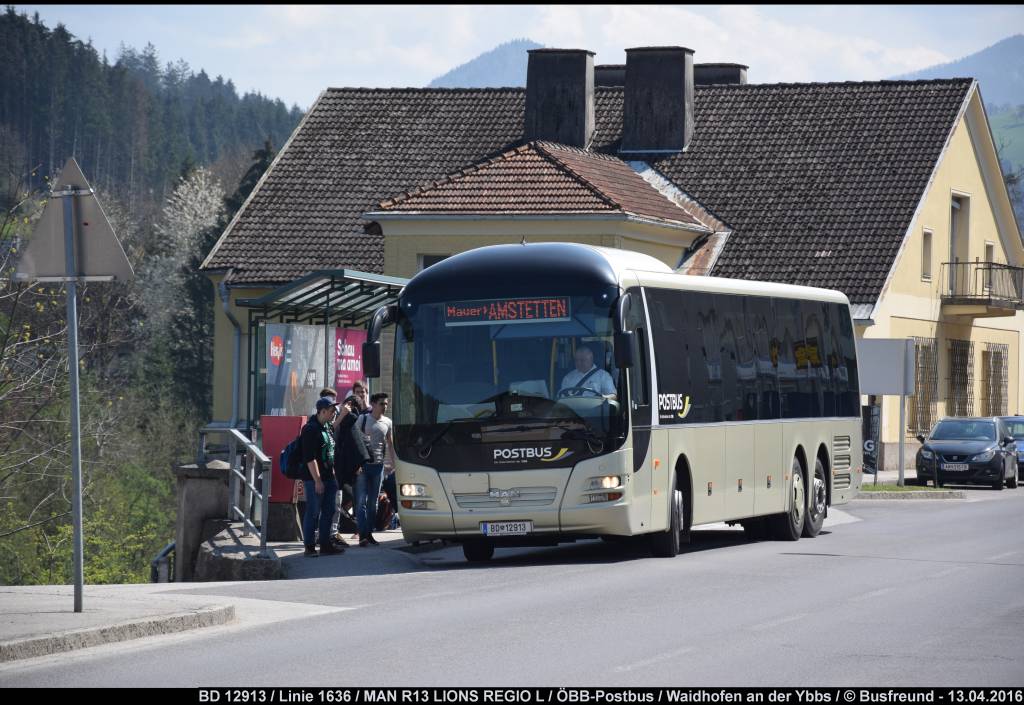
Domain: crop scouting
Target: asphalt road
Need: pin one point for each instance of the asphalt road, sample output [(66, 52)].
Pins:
[(891, 593)]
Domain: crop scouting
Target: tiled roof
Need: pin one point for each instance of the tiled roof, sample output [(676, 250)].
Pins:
[(543, 177), (819, 181)]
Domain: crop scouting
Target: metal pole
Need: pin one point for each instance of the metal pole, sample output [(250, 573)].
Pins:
[(903, 434), (71, 269)]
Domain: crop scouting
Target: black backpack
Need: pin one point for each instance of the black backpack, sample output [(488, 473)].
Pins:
[(291, 459)]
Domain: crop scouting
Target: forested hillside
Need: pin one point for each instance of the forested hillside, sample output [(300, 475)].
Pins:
[(172, 155), (131, 123)]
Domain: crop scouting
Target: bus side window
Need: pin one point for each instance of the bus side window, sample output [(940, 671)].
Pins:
[(639, 382)]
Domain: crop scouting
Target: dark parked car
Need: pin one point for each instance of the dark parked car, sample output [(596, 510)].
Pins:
[(1015, 425), (968, 450)]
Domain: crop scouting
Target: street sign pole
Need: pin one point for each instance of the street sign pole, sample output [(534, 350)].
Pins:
[(71, 269)]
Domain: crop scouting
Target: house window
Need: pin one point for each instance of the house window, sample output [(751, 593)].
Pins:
[(430, 260), (990, 255), (960, 401), (921, 406), (994, 379), (926, 255)]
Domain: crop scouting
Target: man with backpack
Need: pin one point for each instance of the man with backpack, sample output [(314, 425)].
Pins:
[(350, 454), (319, 482)]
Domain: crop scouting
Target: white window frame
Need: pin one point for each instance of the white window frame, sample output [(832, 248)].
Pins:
[(927, 238)]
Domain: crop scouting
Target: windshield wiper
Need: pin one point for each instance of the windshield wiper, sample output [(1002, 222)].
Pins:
[(425, 449)]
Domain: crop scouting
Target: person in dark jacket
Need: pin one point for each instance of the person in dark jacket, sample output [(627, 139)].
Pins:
[(320, 485), (350, 452)]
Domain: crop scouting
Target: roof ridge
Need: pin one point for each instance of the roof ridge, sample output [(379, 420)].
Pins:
[(451, 177), (541, 147)]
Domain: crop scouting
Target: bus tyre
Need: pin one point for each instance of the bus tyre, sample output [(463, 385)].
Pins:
[(666, 544), (478, 551), (789, 525), (817, 502)]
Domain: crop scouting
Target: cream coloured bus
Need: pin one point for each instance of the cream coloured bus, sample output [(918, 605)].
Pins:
[(549, 392)]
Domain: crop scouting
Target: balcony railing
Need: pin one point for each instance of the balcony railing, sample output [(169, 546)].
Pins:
[(982, 288)]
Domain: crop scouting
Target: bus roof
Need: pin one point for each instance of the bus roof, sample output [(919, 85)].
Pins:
[(529, 265)]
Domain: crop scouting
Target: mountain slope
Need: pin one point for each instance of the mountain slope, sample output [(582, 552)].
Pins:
[(503, 66), (999, 69)]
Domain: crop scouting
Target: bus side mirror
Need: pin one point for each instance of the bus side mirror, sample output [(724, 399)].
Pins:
[(920, 438), (371, 359), (624, 349)]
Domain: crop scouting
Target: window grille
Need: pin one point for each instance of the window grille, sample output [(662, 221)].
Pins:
[(961, 378), (994, 381), (921, 408)]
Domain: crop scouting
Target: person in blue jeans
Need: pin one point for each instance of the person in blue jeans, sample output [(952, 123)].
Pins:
[(319, 481), (376, 428)]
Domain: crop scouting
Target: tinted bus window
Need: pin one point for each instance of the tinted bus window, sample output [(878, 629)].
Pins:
[(812, 358), (848, 403), (760, 325), (730, 320), (746, 370), (793, 383)]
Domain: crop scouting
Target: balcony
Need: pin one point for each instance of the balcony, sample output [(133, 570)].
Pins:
[(981, 289)]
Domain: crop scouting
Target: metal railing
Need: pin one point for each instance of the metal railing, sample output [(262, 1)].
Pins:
[(983, 282), (161, 568), (256, 484)]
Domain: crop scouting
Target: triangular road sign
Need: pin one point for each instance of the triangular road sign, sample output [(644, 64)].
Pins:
[(98, 254)]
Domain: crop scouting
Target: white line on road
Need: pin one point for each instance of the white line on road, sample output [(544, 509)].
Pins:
[(947, 571), (870, 595), (656, 659), (776, 622), (1002, 555)]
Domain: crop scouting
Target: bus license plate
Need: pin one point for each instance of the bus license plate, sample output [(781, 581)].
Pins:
[(506, 528), (955, 467)]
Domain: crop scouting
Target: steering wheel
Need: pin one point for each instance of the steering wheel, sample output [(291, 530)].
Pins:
[(578, 392)]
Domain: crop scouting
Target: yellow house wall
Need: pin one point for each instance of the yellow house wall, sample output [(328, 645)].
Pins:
[(223, 350), (406, 240), (911, 305)]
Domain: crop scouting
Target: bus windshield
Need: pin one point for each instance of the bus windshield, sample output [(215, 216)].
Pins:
[(503, 371)]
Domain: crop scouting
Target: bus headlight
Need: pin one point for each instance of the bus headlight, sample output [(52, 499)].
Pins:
[(414, 491), (608, 482), (926, 455), (415, 504)]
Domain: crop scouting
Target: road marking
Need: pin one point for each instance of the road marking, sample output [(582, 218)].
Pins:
[(869, 595), (777, 622), (656, 659), (946, 572), (1002, 555)]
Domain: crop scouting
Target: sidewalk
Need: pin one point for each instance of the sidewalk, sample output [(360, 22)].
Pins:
[(39, 620)]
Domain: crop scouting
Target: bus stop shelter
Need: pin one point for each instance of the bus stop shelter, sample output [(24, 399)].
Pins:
[(332, 299)]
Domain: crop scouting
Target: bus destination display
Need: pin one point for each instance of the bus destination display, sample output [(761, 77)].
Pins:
[(482, 313)]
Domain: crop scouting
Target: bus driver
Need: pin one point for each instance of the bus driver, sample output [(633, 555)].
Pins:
[(587, 377)]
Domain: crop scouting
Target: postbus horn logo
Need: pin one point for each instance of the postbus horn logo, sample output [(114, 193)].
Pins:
[(276, 350)]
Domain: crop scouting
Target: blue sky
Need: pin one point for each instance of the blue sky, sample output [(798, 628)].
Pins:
[(293, 52)]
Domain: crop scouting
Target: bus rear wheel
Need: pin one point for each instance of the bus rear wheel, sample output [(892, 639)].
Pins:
[(667, 544), (789, 525), (478, 551), (817, 502)]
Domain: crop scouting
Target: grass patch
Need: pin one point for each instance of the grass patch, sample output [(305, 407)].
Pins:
[(867, 486)]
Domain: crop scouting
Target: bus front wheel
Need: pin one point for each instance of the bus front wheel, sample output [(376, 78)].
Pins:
[(667, 544), (789, 525), (478, 551)]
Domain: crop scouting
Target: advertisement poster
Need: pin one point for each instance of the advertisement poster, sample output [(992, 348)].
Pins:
[(871, 417), (295, 368), (296, 356), (348, 359)]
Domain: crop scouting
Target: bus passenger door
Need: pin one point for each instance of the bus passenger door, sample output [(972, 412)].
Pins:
[(640, 416)]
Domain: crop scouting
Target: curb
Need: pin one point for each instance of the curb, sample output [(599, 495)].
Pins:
[(922, 494), (424, 547), (33, 647)]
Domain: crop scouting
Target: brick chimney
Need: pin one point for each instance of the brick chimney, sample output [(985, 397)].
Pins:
[(658, 107), (720, 74), (560, 96)]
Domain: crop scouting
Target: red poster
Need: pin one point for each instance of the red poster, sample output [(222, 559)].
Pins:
[(348, 359)]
